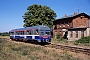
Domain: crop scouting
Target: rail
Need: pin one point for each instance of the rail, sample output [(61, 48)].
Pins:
[(75, 49)]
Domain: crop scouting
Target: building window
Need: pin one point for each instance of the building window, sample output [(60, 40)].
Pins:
[(60, 25), (89, 33), (71, 33), (55, 34), (55, 27), (82, 33), (82, 17), (68, 23), (76, 34), (64, 24)]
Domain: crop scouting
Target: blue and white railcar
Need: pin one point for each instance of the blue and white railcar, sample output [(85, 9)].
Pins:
[(39, 33)]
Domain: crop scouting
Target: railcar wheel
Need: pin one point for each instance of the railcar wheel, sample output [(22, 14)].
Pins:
[(36, 42)]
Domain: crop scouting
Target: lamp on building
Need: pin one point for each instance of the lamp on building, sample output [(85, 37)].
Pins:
[(60, 26), (63, 25), (67, 25)]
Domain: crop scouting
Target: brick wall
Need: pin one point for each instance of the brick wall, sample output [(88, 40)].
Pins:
[(81, 21)]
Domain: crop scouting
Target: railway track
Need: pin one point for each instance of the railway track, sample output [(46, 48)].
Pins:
[(75, 49)]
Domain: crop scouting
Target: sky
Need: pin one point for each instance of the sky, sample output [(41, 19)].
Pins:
[(11, 11)]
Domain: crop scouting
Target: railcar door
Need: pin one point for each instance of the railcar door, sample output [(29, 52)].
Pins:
[(33, 33)]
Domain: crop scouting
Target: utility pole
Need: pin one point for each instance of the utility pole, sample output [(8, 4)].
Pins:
[(78, 10)]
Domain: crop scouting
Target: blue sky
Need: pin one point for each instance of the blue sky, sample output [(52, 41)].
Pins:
[(11, 11)]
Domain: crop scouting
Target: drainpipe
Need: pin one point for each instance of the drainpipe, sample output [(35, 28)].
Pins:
[(89, 23)]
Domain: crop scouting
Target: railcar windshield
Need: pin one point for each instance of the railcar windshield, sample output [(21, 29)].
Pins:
[(11, 33), (41, 33), (45, 33)]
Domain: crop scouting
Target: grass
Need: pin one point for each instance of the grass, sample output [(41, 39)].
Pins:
[(60, 41), (16, 51)]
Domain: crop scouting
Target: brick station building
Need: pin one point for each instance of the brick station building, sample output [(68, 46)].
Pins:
[(74, 26)]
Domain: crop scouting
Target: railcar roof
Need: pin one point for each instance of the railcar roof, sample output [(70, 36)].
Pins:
[(26, 28)]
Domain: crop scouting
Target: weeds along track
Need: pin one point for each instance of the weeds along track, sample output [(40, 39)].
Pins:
[(75, 49)]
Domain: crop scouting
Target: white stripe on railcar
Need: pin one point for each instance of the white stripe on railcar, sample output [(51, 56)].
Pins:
[(33, 36)]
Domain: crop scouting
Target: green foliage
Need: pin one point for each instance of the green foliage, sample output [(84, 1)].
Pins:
[(4, 34), (38, 15), (76, 43), (83, 40), (58, 36)]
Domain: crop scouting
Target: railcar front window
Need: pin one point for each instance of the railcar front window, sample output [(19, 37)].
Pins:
[(42, 33), (47, 33)]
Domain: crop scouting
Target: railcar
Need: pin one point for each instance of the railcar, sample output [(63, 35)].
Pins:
[(39, 33)]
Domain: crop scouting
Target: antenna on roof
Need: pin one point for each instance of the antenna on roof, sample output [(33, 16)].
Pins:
[(78, 8)]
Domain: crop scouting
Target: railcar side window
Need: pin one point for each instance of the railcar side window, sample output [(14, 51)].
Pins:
[(19, 33), (29, 32), (16, 33), (37, 32), (22, 32), (34, 32)]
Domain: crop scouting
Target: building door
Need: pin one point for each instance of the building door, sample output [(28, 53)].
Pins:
[(64, 30), (55, 34), (82, 33), (65, 34)]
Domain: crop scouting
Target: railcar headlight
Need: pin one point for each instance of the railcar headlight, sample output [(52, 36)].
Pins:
[(44, 26)]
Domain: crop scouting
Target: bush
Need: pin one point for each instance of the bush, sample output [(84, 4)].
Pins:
[(76, 43), (4, 34), (83, 40), (58, 36)]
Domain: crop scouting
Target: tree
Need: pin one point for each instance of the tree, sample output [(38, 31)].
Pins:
[(38, 15)]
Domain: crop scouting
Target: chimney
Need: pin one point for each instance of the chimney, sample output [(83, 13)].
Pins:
[(75, 13), (65, 15)]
